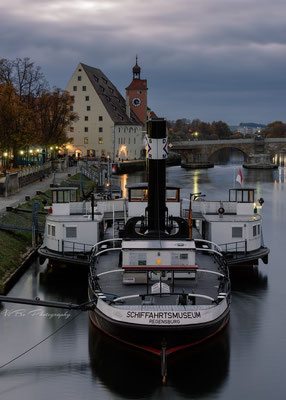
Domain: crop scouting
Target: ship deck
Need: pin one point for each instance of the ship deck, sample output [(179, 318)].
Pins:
[(202, 283)]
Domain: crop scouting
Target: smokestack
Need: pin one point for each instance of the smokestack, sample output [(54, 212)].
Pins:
[(157, 152)]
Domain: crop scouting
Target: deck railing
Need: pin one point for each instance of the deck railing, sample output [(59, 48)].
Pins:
[(235, 248)]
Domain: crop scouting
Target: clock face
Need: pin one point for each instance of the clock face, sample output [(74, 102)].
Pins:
[(136, 102)]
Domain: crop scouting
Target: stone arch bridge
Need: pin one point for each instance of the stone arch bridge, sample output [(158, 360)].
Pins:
[(259, 152)]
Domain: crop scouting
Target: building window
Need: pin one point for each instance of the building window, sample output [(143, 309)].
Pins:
[(129, 141), (86, 98), (100, 118), (71, 129), (75, 88), (71, 108), (79, 78), (119, 141), (71, 232), (86, 118), (72, 99), (86, 140), (100, 129), (134, 140), (119, 130), (86, 129), (84, 88), (79, 70), (236, 232), (124, 140), (87, 108), (100, 140)]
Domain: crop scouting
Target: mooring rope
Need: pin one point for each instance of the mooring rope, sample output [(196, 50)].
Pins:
[(42, 341)]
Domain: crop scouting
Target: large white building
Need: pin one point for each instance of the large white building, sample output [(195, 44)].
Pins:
[(107, 125)]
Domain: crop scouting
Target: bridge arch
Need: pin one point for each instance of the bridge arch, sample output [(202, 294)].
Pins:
[(215, 150)]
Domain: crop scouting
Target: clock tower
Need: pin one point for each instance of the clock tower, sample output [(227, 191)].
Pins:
[(136, 94)]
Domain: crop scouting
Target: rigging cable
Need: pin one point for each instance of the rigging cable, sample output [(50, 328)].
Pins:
[(42, 341)]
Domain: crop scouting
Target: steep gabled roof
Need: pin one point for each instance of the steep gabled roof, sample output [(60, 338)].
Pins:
[(111, 98)]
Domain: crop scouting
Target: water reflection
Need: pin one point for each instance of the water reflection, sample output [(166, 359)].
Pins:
[(135, 374)]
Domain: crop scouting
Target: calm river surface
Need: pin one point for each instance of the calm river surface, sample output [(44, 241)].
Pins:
[(246, 361)]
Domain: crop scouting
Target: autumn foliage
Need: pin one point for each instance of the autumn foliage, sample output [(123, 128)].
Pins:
[(30, 113)]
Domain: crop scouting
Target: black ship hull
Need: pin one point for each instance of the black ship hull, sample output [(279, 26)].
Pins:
[(153, 338)]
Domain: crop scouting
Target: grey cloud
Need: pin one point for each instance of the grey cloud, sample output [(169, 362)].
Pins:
[(202, 58)]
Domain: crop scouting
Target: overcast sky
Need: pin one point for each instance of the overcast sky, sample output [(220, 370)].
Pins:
[(207, 59)]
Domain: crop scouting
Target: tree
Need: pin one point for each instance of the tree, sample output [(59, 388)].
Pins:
[(275, 129), (54, 117), (25, 76), (16, 122), (221, 129)]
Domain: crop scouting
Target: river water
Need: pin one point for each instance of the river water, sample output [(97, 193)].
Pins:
[(246, 361)]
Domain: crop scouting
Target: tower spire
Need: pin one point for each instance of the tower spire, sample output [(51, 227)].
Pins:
[(136, 69)]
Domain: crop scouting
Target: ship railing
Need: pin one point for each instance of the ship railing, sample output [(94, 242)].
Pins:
[(103, 244), (215, 250), (69, 247), (223, 289), (207, 244), (193, 296), (74, 248), (234, 249)]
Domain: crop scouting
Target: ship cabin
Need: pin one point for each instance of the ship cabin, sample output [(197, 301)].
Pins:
[(71, 225), (235, 224), (138, 199)]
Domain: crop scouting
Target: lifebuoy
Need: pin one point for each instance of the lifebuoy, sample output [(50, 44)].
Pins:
[(221, 210)]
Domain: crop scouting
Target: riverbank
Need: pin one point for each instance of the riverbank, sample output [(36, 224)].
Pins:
[(17, 251)]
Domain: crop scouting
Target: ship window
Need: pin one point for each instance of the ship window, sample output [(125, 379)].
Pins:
[(239, 195), (183, 256), (66, 196), (71, 232), (236, 232), (245, 196), (73, 195), (60, 196), (258, 229), (254, 230), (54, 197), (53, 230)]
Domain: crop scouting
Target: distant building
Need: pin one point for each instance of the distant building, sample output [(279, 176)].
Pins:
[(108, 126), (247, 128)]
